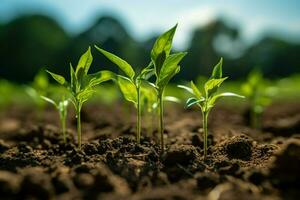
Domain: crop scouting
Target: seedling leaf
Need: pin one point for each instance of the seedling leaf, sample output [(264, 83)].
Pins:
[(217, 71), (188, 89), (172, 99), (212, 85), (92, 80), (49, 101), (128, 89), (163, 44), (196, 91), (225, 94), (192, 101), (84, 64), (60, 79), (122, 64)]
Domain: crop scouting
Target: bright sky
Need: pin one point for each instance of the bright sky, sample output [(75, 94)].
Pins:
[(143, 18)]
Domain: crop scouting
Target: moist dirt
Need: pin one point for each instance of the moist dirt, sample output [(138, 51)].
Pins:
[(242, 163)]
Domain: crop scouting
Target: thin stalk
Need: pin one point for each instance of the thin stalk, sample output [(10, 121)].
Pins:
[(63, 127), (205, 133), (161, 122), (78, 127), (64, 130), (139, 114)]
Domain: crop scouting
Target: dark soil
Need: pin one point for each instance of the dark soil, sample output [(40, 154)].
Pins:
[(242, 163)]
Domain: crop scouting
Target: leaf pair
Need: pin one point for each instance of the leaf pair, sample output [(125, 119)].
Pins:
[(130, 83), (81, 84), (166, 65), (207, 100)]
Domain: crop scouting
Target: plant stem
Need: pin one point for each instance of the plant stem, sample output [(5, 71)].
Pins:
[(63, 126), (78, 127), (204, 119), (138, 125), (161, 122)]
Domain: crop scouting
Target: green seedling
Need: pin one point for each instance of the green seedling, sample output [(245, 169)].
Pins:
[(150, 105), (130, 84), (38, 87), (62, 108), (207, 98), (82, 84), (259, 96), (166, 65)]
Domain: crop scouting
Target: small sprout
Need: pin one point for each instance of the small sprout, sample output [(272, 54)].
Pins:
[(150, 105), (259, 95), (38, 87), (62, 108), (166, 65), (130, 84), (82, 84), (207, 99)]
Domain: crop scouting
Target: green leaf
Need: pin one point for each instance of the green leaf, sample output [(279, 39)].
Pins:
[(158, 62), (85, 95), (128, 89), (91, 80), (163, 44), (60, 79), (147, 72), (225, 94), (49, 101), (73, 80), (122, 64), (169, 68), (162, 84), (196, 91), (171, 99), (188, 89), (84, 64), (217, 71), (192, 101), (212, 85), (62, 106)]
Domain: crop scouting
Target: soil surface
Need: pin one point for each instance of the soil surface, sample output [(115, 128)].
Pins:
[(242, 163)]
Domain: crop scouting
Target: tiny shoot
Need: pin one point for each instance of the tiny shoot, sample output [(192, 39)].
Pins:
[(82, 84), (130, 84), (259, 96), (207, 98), (62, 108), (166, 65)]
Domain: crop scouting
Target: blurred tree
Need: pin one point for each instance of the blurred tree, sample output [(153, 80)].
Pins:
[(110, 34), (275, 57), (29, 43), (204, 49)]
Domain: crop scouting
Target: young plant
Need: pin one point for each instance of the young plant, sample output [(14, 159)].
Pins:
[(39, 87), (259, 96), (207, 98), (130, 84), (82, 84), (166, 65), (150, 105), (62, 108)]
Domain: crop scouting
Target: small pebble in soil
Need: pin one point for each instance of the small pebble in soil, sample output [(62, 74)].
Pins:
[(284, 171), (238, 147), (180, 154)]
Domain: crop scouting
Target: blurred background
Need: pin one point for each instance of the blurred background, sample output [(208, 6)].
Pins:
[(37, 34)]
